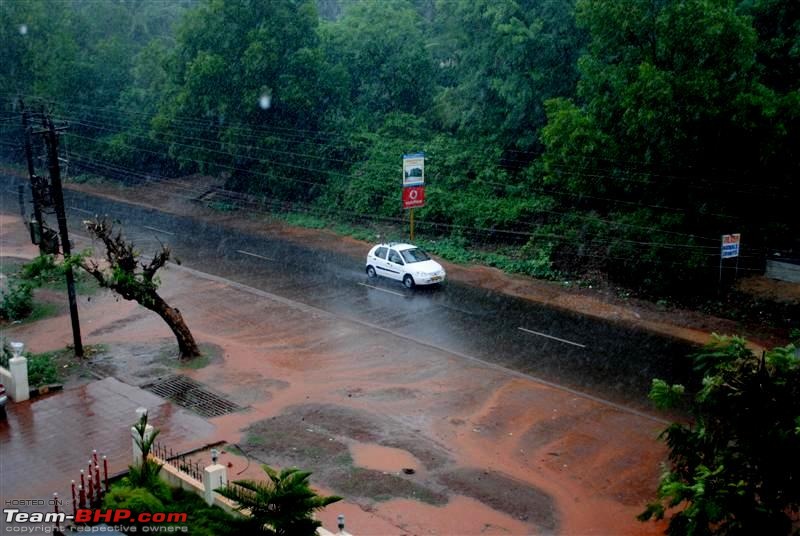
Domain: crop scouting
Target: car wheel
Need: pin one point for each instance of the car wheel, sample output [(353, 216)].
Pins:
[(371, 272), (408, 281)]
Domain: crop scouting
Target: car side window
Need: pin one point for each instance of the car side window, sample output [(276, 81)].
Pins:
[(381, 253), (394, 257)]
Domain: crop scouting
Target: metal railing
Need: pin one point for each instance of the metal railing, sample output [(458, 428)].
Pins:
[(179, 461)]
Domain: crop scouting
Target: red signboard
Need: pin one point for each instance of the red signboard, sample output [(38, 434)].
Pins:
[(414, 197)]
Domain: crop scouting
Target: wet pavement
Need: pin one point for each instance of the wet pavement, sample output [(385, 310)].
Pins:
[(599, 357), (317, 380), (45, 442)]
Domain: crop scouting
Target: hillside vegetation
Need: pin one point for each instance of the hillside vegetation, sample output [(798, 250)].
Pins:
[(575, 136)]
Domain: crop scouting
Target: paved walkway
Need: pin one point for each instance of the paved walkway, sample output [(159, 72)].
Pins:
[(44, 443)]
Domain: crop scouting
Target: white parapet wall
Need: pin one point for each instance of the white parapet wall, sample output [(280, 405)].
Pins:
[(214, 477), (15, 379)]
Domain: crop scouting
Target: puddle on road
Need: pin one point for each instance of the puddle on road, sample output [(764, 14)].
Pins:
[(378, 458)]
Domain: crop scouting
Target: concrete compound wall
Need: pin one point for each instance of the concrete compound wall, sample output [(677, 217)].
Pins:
[(179, 479), (783, 271)]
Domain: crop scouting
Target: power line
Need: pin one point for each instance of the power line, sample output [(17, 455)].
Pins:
[(539, 210), (237, 198), (270, 128)]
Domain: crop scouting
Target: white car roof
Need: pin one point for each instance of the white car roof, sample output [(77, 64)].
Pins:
[(399, 246)]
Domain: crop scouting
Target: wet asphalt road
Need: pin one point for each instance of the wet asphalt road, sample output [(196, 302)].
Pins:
[(589, 355)]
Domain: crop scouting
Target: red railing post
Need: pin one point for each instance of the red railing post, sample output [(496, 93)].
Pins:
[(90, 490), (97, 480), (74, 503), (105, 471), (90, 481), (82, 496)]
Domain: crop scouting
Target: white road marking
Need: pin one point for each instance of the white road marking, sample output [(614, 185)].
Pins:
[(156, 229), (254, 255), (551, 337), (82, 210), (383, 290)]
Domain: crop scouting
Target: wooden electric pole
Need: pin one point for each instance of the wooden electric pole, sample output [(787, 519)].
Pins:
[(51, 140), (37, 227)]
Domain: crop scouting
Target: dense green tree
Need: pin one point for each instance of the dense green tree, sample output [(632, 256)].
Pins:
[(22, 24), (381, 48), (621, 137), (733, 468), (670, 120), (253, 63), (500, 60)]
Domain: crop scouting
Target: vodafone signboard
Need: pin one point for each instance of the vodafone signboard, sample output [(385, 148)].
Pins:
[(414, 197)]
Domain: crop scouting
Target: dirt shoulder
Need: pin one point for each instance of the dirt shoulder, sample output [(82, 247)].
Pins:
[(179, 196)]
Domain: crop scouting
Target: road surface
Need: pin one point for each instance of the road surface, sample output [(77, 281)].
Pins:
[(594, 357)]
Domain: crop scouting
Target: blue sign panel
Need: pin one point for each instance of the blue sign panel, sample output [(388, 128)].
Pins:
[(730, 246)]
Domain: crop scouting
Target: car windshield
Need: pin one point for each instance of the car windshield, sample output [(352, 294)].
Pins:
[(414, 255)]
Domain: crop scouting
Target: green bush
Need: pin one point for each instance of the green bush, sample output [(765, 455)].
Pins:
[(137, 500), (17, 301), (203, 520), (41, 370), (5, 352), (206, 520), (41, 271)]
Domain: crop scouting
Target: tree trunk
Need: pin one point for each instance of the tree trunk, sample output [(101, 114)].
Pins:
[(186, 343)]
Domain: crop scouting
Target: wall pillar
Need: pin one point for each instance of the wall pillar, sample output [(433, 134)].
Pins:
[(18, 367), (214, 476)]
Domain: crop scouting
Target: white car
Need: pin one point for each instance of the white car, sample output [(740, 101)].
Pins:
[(405, 263)]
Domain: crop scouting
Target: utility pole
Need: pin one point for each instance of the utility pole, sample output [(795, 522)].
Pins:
[(51, 140), (37, 226)]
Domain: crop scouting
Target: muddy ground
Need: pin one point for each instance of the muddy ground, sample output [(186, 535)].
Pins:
[(417, 440)]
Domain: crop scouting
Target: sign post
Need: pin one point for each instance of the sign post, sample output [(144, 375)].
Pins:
[(413, 185), (730, 249)]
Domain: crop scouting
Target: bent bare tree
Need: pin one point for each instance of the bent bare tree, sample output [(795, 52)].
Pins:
[(135, 280)]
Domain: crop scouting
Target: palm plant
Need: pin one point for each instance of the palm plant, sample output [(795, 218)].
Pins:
[(146, 474), (281, 506)]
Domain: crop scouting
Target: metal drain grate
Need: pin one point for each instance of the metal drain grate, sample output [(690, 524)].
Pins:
[(191, 395)]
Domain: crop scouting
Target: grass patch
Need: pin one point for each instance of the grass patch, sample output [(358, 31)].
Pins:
[(222, 206), (305, 220), (89, 178), (53, 367), (41, 311), (455, 249), (209, 353)]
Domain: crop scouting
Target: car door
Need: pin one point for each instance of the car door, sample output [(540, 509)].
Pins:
[(395, 267), (378, 260)]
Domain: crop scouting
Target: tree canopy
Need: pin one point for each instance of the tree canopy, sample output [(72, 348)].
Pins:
[(733, 468), (576, 135)]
